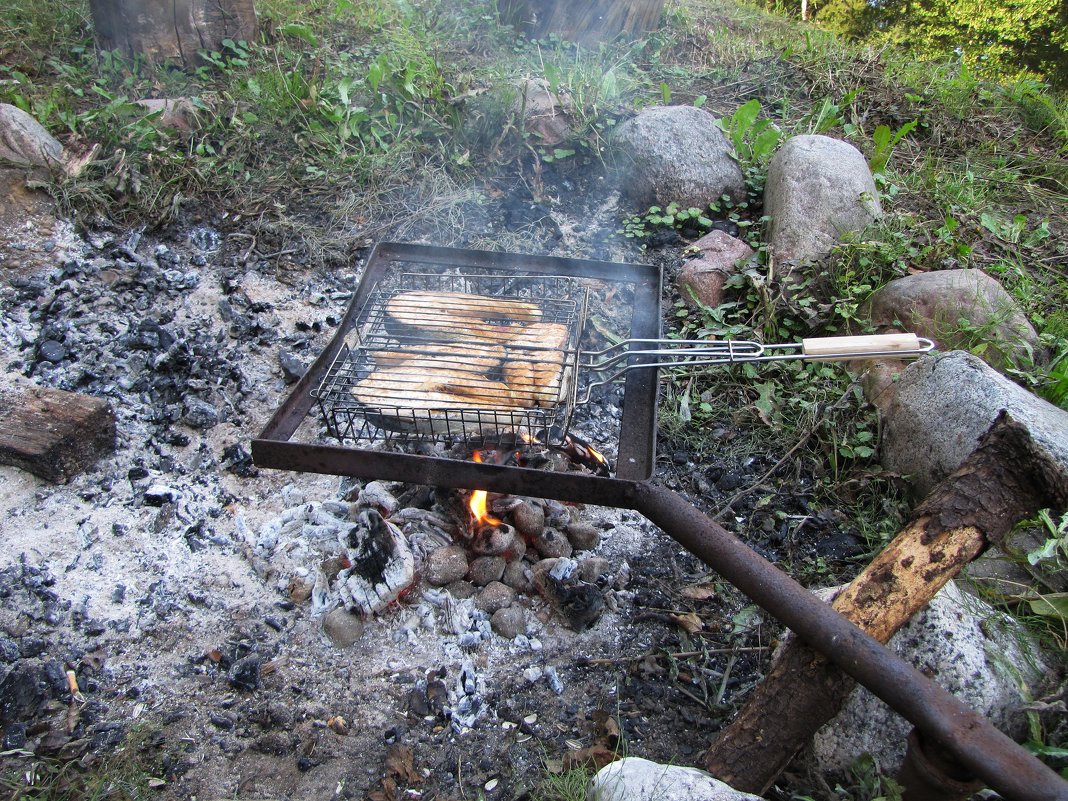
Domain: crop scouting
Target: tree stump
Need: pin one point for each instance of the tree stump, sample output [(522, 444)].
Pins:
[(171, 30), (587, 22)]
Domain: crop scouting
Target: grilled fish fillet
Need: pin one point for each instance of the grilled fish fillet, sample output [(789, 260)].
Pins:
[(468, 307), (411, 388), (484, 359), (534, 364)]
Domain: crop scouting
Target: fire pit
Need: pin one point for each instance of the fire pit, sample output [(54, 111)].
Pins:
[(401, 441)]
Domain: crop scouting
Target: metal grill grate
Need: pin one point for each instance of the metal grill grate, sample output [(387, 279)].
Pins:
[(458, 355)]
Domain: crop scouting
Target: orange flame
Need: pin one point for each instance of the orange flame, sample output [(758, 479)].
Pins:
[(477, 504), (596, 454)]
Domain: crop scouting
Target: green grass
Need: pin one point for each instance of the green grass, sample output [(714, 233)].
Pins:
[(129, 773)]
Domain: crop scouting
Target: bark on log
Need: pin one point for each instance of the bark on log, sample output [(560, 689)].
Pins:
[(171, 30), (51, 433), (587, 22), (1005, 480)]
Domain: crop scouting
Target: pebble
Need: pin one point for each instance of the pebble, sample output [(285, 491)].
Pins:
[(515, 576), (529, 520), (486, 569), (551, 544), (462, 589), (446, 565), (495, 596), (509, 622), (593, 568), (292, 368), (245, 673), (52, 351), (342, 627), (583, 536), (200, 414)]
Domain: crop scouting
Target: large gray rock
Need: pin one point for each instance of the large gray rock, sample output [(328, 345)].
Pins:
[(972, 650), (957, 309), (942, 404), (24, 142), (819, 190), (636, 779), (677, 153)]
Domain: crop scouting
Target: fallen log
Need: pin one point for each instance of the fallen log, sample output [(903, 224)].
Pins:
[(1007, 478), (52, 433)]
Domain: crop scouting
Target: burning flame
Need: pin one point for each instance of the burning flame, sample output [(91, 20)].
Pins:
[(477, 504), (596, 454)]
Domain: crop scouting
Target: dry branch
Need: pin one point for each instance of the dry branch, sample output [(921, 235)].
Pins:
[(1006, 479)]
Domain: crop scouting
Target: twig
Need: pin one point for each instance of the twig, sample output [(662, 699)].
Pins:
[(680, 655), (723, 683)]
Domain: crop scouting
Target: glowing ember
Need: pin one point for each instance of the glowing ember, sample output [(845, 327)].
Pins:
[(477, 504)]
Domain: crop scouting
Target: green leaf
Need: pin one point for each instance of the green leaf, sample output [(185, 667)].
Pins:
[(300, 31), (665, 93), (743, 119), (700, 100), (1051, 605), (764, 144), (765, 402)]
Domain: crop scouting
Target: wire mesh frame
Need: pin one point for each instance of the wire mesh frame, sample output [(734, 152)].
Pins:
[(375, 340)]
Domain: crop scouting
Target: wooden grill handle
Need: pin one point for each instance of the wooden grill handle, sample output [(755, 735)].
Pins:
[(841, 348)]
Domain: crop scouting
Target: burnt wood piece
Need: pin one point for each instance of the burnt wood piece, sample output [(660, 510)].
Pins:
[(171, 30), (587, 22), (1006, 479), (51, 433)]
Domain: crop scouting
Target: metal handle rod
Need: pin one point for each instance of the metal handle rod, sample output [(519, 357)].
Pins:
[(695, 353)]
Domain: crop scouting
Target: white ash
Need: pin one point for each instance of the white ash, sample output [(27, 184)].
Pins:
[(383, 566)]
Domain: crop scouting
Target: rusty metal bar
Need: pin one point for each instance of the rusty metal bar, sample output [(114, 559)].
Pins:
[(971, 738), (944, 720)]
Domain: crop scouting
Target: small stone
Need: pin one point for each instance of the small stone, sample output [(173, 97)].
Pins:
[(486, 569), (583, 536), (221, 721), (515, 576), (592, 569), (245, 674), (299, 590), (200, 414), (52, 351), (509, 622), (342, 627), (529, 520), (551, 544), (159, 494), (293, 369), (9, 650), (446, 565), (495, 596), (338, 725), (462, 589)]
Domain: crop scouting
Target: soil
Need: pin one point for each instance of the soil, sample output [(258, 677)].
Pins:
[(142, 575)]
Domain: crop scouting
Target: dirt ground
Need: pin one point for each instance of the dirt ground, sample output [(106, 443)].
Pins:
[(142, 575)]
